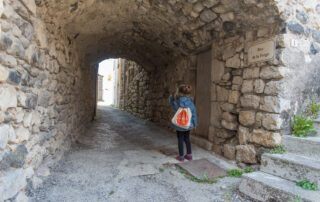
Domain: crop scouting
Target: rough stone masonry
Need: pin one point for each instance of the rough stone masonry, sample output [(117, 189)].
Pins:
[(49, 51)]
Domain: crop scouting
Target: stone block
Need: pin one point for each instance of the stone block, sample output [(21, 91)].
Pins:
[(208, 16), (217, 70), (31, 101), (246, 154), (251, 101), (30, 5), (273, 72), (222, 94), (234, 97), (10, 94), (217, 149), (272, 88), (198, 7), (247, 118), (22, 98), (295, 27), (262, 32), (237, 80), (228, 53), (13, 180), (265, 138), (302, 17), (229, 151), (3, 73), (258, 86), (243, 135), (14, 78), (247, 86), (226, 77), (227, 16), (21, 134), (27, 119), (227, 107), (272, 121), (233, 62), (274, 104), (4, 135), (251, 73), (229, 125), (229, 117), (210, 3), (259, 117), (5, 42)]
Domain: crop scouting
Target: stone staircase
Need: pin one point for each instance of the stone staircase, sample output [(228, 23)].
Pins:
[(276, 180)]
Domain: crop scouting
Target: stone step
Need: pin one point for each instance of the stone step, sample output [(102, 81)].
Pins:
[(308, 147), (291, 167), (265, 187)]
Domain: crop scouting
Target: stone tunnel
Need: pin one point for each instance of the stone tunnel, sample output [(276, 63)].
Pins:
[(252, 65)]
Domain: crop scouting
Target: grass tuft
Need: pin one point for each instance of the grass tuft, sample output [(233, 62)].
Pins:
[(307, 185), (234, 173)]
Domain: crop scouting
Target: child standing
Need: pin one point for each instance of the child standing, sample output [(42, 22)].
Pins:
[(180, 99)]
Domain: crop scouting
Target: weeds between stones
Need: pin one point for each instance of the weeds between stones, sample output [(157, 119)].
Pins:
[(302, 126), (234, 173), (307, 185), (205, 178), (278, 149)]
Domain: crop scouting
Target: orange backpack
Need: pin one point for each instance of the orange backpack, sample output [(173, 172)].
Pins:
[(182, 118)]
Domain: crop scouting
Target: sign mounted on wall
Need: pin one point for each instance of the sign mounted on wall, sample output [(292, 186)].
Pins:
[(261, 51)]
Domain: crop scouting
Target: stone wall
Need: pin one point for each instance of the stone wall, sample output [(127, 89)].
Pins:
[(44, 97), (300, 43), (137, 99)]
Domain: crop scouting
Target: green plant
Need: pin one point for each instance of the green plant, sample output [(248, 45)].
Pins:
[(313, 109), (296, 199), (183, 172), (278, 149), (111, 192), (307, 185), (161, 170), (234, 173), (111, 105), (248, 170), (302, 126), (205, 179)]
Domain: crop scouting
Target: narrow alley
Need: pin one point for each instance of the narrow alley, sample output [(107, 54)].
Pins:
[(123, 158)]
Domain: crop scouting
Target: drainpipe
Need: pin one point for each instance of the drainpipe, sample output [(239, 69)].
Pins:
[(124, 83)]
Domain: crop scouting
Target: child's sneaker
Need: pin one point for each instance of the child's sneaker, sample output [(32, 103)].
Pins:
[(180, 158), (188, 157)]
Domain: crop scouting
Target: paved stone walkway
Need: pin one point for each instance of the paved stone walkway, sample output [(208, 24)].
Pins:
[(122, 158)]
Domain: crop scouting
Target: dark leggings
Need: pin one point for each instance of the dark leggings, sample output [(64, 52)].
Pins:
[(184, 136)]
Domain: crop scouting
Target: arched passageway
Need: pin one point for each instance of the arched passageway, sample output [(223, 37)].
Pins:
[(241, 56)]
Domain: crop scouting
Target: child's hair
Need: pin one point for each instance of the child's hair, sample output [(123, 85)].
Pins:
[(184, 90)]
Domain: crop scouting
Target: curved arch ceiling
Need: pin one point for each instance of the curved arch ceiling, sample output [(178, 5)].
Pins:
[(151, 32)]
